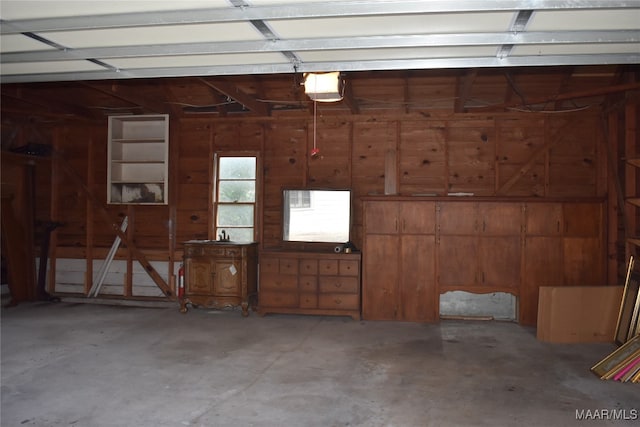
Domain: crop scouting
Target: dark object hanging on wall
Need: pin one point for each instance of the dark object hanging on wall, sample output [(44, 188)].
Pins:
[(34, 149)]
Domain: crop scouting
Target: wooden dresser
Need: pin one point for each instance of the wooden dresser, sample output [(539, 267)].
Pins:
[(310, 283), (219, 275)]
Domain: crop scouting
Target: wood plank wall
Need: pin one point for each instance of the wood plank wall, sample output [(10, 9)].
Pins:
[(506, 154)]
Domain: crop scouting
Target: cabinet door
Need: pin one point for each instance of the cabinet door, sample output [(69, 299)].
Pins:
[(583, 261), (226, 278), (381, 217), (417, 217), (542, 267), (543, 219), (457, 218), (199, 276), (582, 219), (379, 288), (500, 219), (457, 260), (417, 288), (499, 262)]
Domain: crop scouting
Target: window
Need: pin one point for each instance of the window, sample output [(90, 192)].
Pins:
[(299, 199), (235, 197)]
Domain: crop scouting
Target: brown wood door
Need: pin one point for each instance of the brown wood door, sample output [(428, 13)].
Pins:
[(582, 219), (417, 288), (380, 277), (227, 278), (542, 266), (459, 218), (499, 262), (381, 217), (457, 261), (543, 219), (500, 219), (198, 276), (417, 217)]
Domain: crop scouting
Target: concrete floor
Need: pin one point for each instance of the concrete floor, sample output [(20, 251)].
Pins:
[(69, 364)]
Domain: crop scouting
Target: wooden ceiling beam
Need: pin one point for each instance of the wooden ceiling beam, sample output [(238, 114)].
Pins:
[(566, 96), (235, 93), (124, 93), (48, 102)]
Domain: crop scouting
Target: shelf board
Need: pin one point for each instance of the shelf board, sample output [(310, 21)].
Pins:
[(137, 182), (138, 140), (138, 162)]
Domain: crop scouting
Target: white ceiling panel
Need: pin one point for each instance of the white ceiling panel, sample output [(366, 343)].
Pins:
[(49, 67), (212, 33), (118, 39), (578, 49), (20, 43), (33, 9), (393, 25), (571, 20)]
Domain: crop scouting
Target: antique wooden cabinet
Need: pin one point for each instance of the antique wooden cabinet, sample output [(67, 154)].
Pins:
[(220, 274), (399, 261), (310, 283)]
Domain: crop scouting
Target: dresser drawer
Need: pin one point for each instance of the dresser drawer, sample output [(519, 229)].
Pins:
[(309, 267), (278, 282), (349, 267), (308, 300), (339, 301), (278, 299), (348, 285), (328, 267), (308, 284), (288, 266), (269, 265)]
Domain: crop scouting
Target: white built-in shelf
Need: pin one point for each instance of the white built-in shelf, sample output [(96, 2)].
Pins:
[(138, 154)]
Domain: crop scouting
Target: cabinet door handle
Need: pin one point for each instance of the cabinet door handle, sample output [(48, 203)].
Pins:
[(338, 285)]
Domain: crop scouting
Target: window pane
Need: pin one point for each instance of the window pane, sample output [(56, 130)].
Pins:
[(237, 167), (238, 234), (235, 215), (237, 191)]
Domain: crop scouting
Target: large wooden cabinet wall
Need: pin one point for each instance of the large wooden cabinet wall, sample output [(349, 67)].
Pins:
[(310, 283), (416, 249), (399, 261), (220, 275)]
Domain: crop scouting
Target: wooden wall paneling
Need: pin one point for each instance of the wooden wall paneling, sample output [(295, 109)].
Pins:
[(332, 168), (542, 262), (614, 198), (284, 164), (431, 94), (583, 251), (471, 145), (102, 210), (371, 142), (192, 155), (572, 163), (517, 140), (422, 163)]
